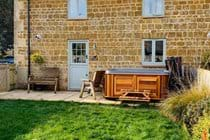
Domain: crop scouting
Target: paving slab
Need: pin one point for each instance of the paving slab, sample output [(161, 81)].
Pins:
[(67, 96)]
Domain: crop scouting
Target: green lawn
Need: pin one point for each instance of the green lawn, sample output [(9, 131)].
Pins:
[(30, 120)]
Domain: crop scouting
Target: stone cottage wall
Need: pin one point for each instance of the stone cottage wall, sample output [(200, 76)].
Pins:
[(115, 26)]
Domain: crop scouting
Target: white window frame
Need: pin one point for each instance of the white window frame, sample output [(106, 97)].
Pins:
[(153, 63), (70, 44), (153, 14), (78, 15)]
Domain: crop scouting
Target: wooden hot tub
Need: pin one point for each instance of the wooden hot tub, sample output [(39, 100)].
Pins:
[(119, 80)]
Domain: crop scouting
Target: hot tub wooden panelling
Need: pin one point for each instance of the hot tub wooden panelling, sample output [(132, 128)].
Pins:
[(119, 80)]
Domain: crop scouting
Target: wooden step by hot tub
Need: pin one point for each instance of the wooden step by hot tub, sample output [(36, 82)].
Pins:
[(117, 81)]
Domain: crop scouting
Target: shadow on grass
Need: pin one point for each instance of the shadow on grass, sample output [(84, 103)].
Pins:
[(20, 117)]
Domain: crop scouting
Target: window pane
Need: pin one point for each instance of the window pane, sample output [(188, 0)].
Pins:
[(73, 46), (79, 59), (84, 52), (73, 8), (158, 7), (74, 58), (79, 52), (148, 7), (74, 52), (83, 59), (82, 8), (159, 51), (153, 7), (148, 51), (79, 46), (83, 46)]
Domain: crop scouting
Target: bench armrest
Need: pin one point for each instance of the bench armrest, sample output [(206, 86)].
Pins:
[(87, 80), (30, 77)]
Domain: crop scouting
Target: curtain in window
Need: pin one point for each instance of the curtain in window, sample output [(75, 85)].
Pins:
[(77, 8), (158, 7), (82, 8), (148, 7), (73, 8), (153, 7)]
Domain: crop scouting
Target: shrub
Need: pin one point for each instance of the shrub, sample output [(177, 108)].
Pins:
[(193, 111), (174, 106), (187, 106), (205, 60), (37, 58), (202, 125)]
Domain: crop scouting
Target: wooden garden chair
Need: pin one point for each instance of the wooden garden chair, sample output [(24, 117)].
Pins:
[(92, 85)]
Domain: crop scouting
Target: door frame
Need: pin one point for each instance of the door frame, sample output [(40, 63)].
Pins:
[(70, 54)]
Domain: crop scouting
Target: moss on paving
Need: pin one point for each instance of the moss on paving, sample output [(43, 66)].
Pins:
[(27, 120)]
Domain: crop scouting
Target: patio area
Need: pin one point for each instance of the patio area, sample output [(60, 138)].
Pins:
[(67, 96)]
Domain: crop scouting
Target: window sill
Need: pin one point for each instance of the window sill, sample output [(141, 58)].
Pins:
[(77, 19), (153, 65), (149, 17)]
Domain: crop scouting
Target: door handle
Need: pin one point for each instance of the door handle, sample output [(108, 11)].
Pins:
[(86, 74)]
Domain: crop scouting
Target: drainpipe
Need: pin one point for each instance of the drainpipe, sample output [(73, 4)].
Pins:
[(29, 39)]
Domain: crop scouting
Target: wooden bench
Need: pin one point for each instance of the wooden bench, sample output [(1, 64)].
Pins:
[(47, 76), (141, 96)]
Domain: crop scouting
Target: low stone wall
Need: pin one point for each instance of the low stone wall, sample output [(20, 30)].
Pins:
[(204, 77), (7, 77)]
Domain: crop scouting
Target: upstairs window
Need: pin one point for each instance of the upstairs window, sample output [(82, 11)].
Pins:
[(77, 9), (153, 8), (153, 52)]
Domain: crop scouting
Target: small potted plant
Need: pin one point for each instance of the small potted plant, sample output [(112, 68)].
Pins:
[(37, 58)]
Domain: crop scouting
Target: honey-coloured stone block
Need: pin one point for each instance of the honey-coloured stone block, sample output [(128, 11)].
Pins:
[(117, 27)]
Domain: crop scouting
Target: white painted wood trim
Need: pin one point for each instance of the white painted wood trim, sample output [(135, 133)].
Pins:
[(153, 63)]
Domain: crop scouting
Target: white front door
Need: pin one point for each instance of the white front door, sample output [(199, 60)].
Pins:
[(78, 64)]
